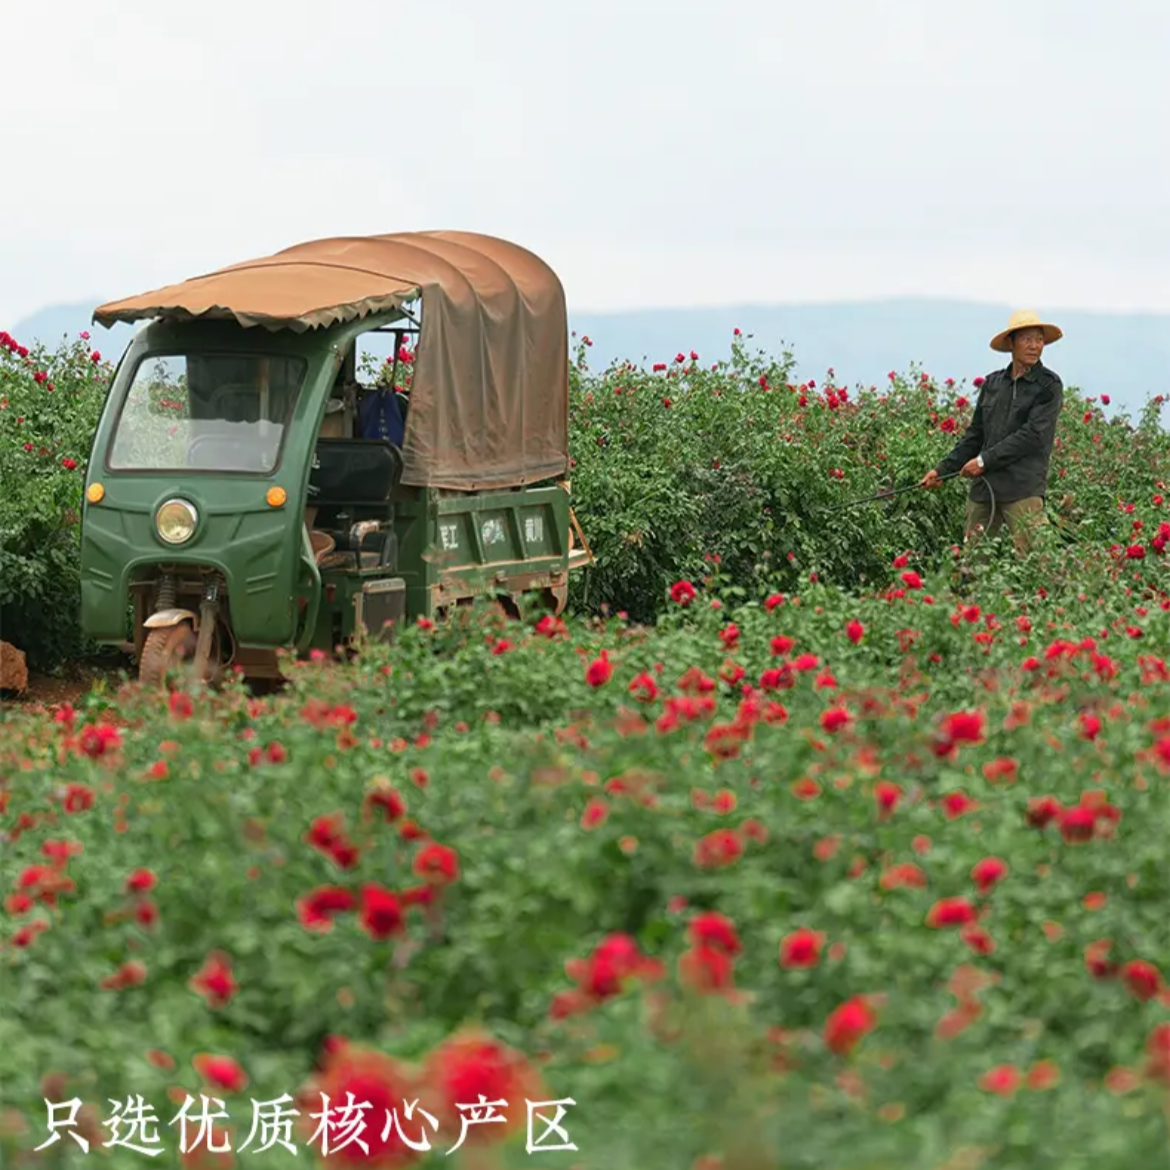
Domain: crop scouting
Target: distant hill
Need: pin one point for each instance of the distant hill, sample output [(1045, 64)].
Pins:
[(60, 323), (1124, 356)]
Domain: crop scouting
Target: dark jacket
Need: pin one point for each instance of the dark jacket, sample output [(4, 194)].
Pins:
[(1013, 429)]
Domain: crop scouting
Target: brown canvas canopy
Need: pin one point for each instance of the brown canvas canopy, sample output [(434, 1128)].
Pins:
[(490, 395)]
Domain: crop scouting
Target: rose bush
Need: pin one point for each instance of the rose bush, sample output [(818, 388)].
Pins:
[(50, 402), (811, 879), (736, 460), (671, 466)]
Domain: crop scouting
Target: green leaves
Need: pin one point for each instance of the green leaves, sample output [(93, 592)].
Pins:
[(49, 406), (498, 747)]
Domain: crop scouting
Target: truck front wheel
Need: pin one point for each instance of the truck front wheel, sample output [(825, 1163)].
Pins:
[(166, 650)]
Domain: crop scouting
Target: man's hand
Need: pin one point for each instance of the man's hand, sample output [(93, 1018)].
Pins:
[(931, 479), (971, 469)]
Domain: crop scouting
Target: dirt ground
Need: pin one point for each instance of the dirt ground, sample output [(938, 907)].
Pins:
[(49, 691)]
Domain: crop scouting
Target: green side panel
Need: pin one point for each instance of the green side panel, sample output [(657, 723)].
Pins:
[(478, 544)]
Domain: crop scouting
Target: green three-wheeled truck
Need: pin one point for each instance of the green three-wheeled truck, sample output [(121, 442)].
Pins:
[(247, 493)]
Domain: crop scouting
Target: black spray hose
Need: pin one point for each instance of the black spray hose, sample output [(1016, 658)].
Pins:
[(909, 488), (882, 495)]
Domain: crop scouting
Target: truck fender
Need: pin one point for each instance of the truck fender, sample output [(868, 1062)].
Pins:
[(170, 617)]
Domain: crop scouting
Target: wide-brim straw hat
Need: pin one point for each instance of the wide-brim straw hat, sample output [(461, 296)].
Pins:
[(1024, 319)]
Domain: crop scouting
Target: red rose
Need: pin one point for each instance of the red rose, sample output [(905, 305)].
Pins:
[(887, 794), (847, 1025), (221, 1072), (950, 912), (140, 881), (956, 803), (712, 929), (706, 969), (987, 872), (1042, 810), (316, 909), (437, 864), (718, 848), (599, 671), (381, 914), (801, 948), (834, 719), (1143, 979), (214, 980), (1002, 1080), (964, 727), (1077, 824)]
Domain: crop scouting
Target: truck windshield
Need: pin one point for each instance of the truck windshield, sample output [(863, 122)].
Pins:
[(206, 412)]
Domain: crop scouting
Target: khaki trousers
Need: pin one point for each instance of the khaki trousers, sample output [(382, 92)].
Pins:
[(1023, 518)]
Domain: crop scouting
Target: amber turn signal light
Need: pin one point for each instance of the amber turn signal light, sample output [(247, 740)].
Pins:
[(276, 496), (95, 493)]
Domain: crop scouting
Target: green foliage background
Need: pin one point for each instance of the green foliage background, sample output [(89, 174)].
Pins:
[(672, 467)]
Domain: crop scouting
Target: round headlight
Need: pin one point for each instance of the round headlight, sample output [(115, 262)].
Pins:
[(175, 521)]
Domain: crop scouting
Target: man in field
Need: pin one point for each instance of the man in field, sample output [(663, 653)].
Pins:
[(1009, 442)]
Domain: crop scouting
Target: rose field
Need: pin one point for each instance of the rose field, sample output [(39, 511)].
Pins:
[(804, 838)]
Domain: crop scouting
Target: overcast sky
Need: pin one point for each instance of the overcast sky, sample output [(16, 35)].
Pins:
[(655, 152)]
